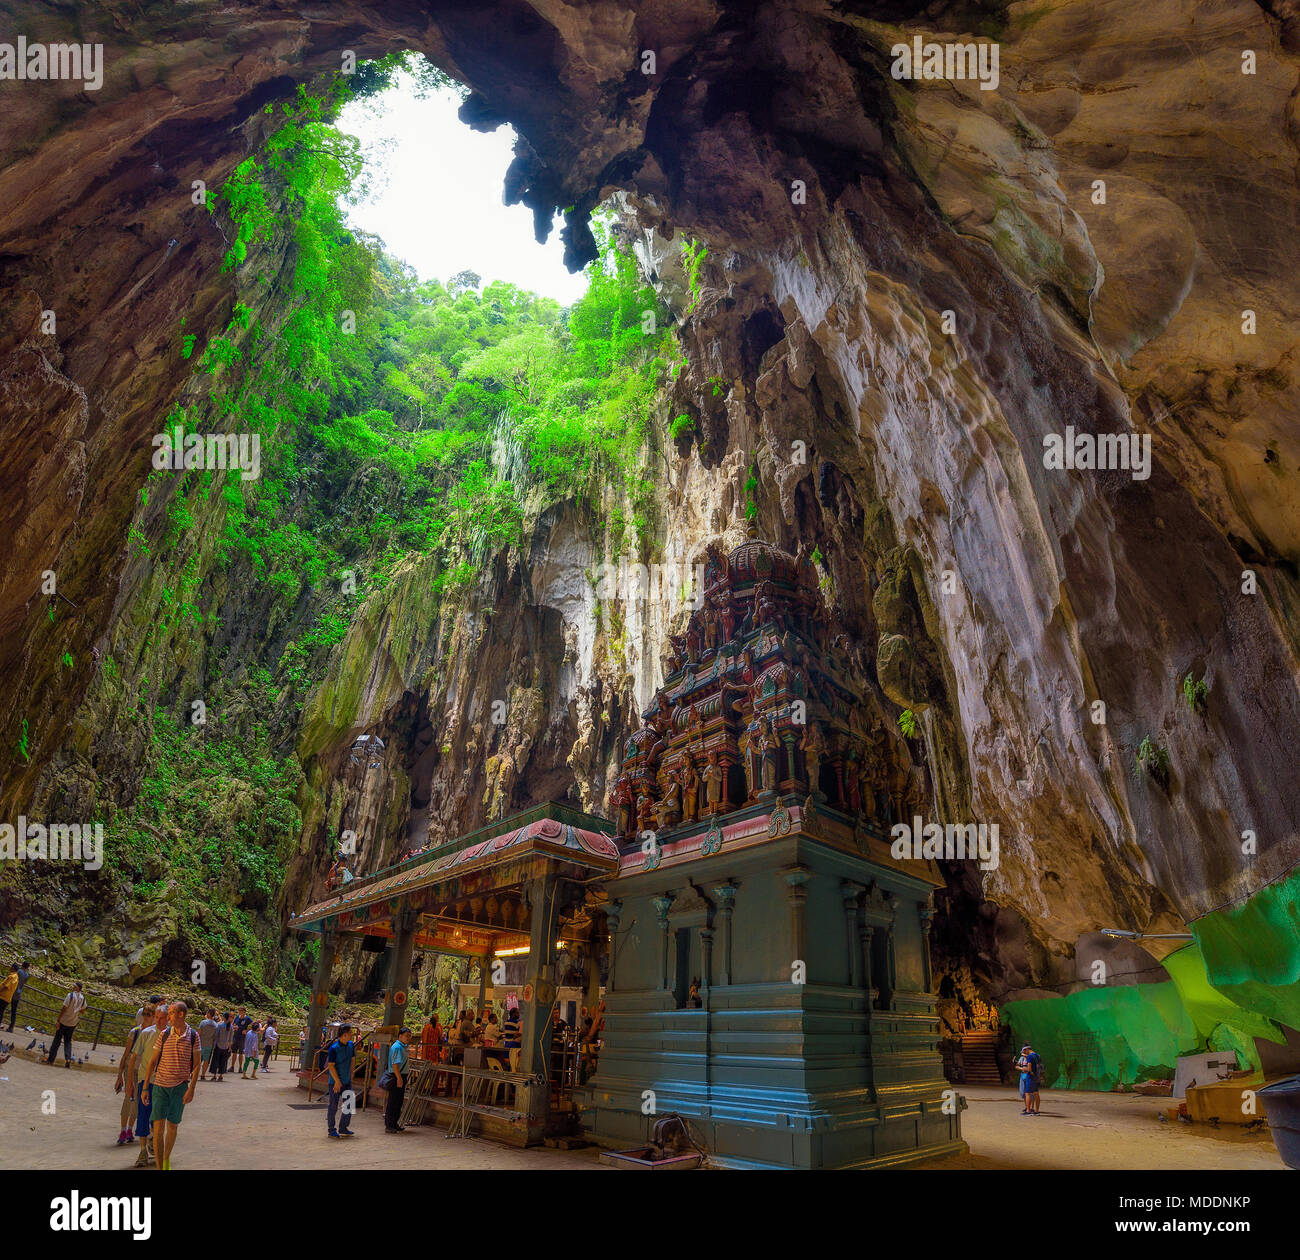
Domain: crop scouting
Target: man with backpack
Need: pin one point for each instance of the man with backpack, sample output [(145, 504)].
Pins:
[(1030, 1067), (170, 1080)]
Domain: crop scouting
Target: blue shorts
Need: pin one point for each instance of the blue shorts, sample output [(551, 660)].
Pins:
[(142, 1113), (1028, 1085)]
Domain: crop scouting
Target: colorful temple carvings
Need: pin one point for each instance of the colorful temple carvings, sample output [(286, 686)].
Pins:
[(761, 700)]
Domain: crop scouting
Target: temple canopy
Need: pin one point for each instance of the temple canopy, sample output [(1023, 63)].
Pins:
[(469, 893)]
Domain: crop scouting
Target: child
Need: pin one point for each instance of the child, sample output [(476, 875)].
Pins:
[(251, 1039)]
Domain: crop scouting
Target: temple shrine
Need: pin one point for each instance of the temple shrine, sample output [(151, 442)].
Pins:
[(764, 958), (769, 973)]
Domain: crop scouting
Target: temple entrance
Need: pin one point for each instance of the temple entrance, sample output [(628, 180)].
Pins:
[(522, 887)]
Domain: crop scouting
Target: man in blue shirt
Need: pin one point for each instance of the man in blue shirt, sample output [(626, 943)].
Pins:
[(1030, 1067), (338, 1062), (395, 1092)]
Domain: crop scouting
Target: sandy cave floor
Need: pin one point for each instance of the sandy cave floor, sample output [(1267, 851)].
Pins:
[(260, 1124)]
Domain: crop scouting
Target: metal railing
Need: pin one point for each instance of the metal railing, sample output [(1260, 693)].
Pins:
[(110, 1028)]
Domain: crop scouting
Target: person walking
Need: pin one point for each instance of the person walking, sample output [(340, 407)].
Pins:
[(207, 1042), (8, 987), (221, 1047), (393, 1082), (125, 1082), (338, 1062), (24, 970), (153, 1019), (270, 1039), (169, 1081), (73, 1005), (252, 1038)]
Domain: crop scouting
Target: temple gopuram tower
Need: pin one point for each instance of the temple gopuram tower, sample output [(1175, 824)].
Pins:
[(769, 975)]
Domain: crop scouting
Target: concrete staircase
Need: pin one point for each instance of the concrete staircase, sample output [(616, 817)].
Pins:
[(979, 1056)]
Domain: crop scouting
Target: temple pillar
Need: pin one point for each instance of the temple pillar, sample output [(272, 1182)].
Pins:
[(535, 1055), (850, 892), (484, 966), (399, 963), (320, 996), (706, 955), (796, 877), (538, 1001), (891, 952), (864, 952), (926, 912), (726, 896), (662, 905), (613, 916), (593, 970)]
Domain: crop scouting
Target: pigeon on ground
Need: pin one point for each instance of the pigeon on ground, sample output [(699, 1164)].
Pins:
[(33, 1043)]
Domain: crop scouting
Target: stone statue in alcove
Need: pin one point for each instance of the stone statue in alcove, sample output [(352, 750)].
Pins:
[(669, 808), (621, 797), (715, 783), (727, 619), (645, 812), (762, 750), (710, 619), (690, 790), (813, 747), (852, 781)]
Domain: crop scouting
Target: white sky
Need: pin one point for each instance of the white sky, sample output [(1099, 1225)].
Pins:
[(436, 195)]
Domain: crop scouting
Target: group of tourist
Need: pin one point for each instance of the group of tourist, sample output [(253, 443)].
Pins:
[(232, 1037), (160, 1067), (501, 1038), (163, 1060)]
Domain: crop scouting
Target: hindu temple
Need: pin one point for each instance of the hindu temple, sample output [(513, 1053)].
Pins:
[(764, 958), (769, 971)]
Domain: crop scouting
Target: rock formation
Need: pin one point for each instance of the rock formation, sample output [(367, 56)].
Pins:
[(908, 286)]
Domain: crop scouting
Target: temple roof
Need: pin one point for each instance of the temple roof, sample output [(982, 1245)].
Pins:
[(551, 831)]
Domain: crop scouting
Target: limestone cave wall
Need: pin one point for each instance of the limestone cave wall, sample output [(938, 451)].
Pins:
[(907, 286)]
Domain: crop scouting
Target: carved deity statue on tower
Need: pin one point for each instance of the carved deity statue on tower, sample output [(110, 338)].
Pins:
[(710, 619), (813, 747), (669, 809), (622, 798), (715, 783), (690, 790), (727, 618), (645, 816)]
